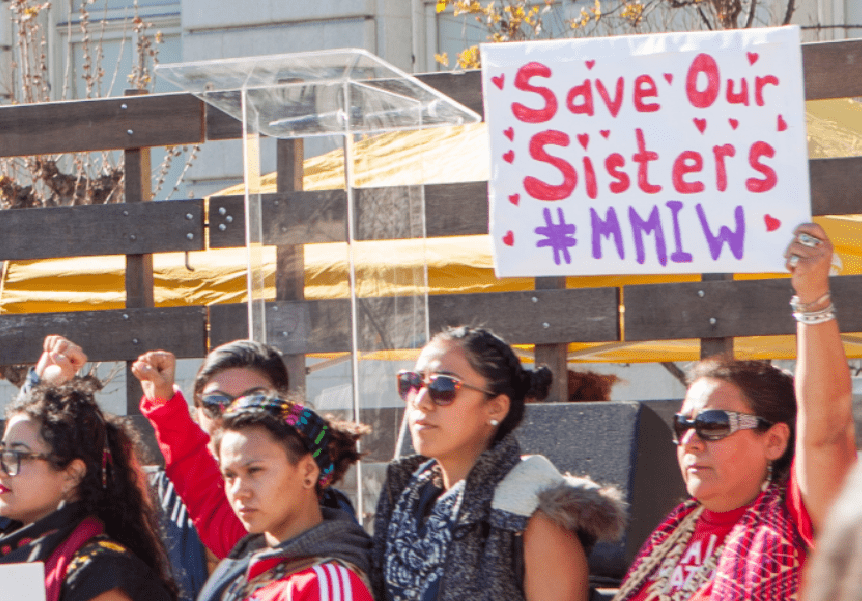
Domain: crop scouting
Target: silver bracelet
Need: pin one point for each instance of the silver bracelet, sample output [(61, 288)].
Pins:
[(799, 307), (815, 317)]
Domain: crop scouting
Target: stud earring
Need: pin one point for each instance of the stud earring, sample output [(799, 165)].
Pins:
[(494, 422)]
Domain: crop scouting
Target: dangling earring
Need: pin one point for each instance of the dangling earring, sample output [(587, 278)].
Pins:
[(61, 504), (768, 479), (494, 422)]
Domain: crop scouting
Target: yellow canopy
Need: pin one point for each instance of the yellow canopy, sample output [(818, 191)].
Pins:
[(460, 264)]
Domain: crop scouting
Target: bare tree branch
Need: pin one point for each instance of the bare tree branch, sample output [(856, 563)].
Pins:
[(751, 11), (705, 20), (791, 6)]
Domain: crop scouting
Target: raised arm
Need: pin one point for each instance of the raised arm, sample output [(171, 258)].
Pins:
[(825, 431), (190, 466)]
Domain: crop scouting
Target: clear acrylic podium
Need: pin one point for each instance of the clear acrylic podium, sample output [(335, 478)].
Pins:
[(344, 93)]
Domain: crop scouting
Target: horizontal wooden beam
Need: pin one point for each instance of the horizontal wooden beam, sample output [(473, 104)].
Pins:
[(321, 216), (536, 316), (104, 124), (323, 326), (726, 309), (114, 335), (832, 69), (92, 230), (835, 186)]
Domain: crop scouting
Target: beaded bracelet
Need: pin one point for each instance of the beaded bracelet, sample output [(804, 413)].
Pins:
[(815, 317)]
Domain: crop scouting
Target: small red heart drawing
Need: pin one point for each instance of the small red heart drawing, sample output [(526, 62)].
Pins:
[(733, 123), (771, 222), (499, 81), (590, 64), (669, 77), (510, 133), (752, 57), (782, 124), (515, 199), (584, 139), (509, 238), (509, 156), (700, 124), (605, 133)]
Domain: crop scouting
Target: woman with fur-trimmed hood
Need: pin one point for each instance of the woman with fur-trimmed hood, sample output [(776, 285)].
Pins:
[(469, 518)]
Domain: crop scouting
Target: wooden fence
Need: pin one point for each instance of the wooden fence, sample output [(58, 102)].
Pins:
[(714, 310)]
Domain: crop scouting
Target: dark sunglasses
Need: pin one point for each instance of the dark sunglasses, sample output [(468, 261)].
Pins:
[(442, 389), (715, 424), (10, 460), (217, 402)]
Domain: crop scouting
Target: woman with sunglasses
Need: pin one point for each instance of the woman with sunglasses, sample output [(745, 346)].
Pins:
[(232, 370), (277, 457), (761, 461), (468, 518), (70, 482)]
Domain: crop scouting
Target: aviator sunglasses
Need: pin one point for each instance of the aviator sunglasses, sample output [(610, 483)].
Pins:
[(442, 389), (715, 424)]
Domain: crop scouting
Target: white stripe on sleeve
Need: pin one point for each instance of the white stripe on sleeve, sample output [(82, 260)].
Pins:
[(323, 584)]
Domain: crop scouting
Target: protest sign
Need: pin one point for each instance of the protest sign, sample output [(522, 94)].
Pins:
[(22, 581), (668, 153)]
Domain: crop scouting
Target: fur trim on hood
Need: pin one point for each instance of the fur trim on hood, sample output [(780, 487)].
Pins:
[(577, 504)]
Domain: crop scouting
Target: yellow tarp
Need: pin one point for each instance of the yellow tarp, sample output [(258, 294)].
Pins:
[(455, 264)]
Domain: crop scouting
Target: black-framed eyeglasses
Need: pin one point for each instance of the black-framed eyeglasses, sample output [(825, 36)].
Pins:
[(715, 424), (10, 460), (442, 388)]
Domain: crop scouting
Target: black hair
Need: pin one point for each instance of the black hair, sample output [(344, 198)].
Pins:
[(342, 446), (767, 390), (241, 354), (74, 426), (495, 361)]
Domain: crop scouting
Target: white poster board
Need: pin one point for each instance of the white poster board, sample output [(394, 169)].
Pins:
[(669, 153), (22, 581)]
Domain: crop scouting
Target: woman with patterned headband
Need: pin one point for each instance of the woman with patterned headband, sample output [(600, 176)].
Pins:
[(277, 457), (761, 462)]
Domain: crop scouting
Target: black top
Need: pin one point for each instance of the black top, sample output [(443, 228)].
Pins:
[(99, 566)]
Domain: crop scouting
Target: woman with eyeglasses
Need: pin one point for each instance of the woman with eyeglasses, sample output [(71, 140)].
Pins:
[(70, 482), (468, 518), (232, 370), (762, 457), (277, 457)]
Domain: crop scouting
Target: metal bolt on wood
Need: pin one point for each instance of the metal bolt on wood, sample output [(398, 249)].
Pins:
[(222, 211), (190, 236), (130, 131), (222, 227), (712, 321), (229, 219), (701, 293)]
